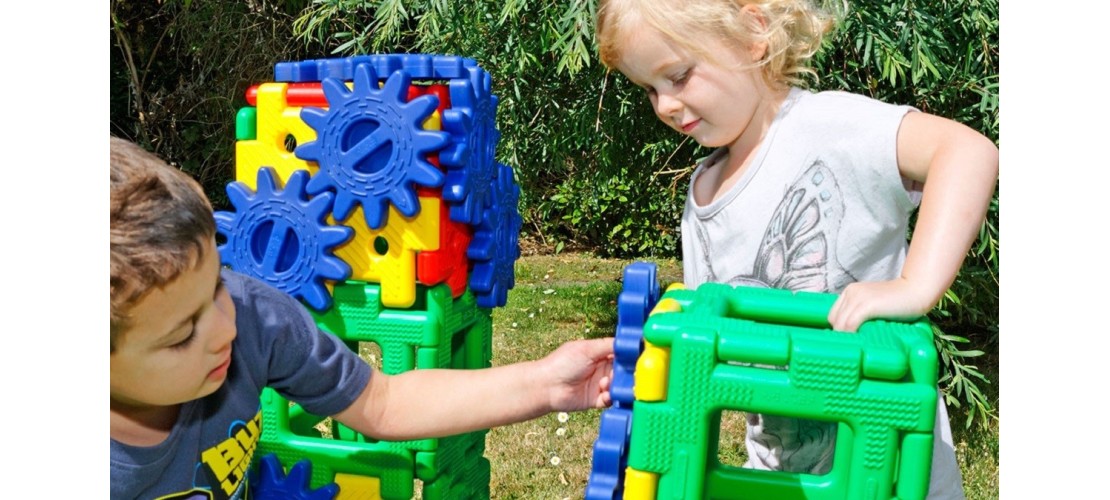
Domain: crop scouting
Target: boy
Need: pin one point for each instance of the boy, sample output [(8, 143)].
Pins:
[(192, 346)]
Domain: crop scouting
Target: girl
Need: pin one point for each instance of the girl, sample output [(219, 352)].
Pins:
[(804, 191)]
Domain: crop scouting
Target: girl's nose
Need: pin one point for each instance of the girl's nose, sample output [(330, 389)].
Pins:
[(666, 105)]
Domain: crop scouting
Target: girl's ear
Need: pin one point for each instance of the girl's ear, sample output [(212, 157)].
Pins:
[(757, 22)]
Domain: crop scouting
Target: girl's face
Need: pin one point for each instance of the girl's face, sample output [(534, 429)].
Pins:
[(714, 102)]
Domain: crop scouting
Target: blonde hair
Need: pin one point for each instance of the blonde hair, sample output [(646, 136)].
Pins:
[(792, 29), (160, 219)]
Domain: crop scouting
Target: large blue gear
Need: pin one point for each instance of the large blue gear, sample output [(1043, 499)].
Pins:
[(281, 237), (471, 121), (269, 482), (371, 146), (496, 244), (639, 294)]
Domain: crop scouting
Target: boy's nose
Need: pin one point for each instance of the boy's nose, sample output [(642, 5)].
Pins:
[(224, 324)]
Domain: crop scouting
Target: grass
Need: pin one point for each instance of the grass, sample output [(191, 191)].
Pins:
[(571, 296)]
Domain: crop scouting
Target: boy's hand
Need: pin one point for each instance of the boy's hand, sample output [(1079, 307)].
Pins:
[(580, 373), (896, 299)]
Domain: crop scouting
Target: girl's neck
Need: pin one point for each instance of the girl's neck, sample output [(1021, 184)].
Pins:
[(741, 151), (142, 425)]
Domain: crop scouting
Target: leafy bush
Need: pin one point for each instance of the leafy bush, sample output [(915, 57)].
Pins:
[(179, 70)]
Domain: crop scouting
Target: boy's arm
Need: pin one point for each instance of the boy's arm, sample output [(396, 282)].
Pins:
[(435, 403), (959, 167)]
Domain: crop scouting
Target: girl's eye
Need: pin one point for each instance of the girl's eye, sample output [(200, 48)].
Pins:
[(680, 78), (185, 343)]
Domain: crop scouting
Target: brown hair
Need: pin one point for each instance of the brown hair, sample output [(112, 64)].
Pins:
[(160, 221), (792, 29)]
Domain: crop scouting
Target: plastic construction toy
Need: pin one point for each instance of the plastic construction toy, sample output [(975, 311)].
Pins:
[(397, 226), (721, 348), (405, 146)]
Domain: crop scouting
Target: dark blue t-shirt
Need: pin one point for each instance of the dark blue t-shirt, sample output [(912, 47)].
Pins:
[(208, 450)]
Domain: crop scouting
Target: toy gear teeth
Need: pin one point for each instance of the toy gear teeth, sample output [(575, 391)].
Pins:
[(281, 237), (371, 146), (270, 482), (470, 162), (496, 245)]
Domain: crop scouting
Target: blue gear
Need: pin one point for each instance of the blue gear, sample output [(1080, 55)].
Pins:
[(496, 244), (283, 238), (610, 457), (269, 482), (471, 121), (371, 146), (639, 294)]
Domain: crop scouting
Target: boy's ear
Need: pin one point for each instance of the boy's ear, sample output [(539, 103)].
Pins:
[(758, 22)]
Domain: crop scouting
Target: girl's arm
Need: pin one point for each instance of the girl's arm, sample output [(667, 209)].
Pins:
[(959, 168)]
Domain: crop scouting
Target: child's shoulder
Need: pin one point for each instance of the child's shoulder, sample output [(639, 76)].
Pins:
[(838, 112), (827, 101), (244, 287), (259, 303)]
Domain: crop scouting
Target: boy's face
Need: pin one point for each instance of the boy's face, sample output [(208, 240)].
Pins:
[(178, 347), (714, 102)]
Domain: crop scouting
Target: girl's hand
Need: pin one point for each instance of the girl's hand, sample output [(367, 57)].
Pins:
[(896, 300), (580, 373)]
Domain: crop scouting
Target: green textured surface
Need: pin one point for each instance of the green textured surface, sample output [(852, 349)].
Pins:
[(879, 384), (436, 332), (358, 316)]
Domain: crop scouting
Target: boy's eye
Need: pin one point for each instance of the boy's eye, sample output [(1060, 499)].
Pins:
[(186, 341), (680, 78)]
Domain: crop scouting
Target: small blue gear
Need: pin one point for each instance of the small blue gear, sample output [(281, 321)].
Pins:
[(471, 121), (371, 146), (283, 238), (269, 482), (496, 244)]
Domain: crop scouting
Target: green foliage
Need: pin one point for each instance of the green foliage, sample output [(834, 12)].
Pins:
[(179, 70)]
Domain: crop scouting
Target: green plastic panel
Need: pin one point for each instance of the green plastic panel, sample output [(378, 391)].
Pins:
[(772, 351)]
